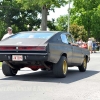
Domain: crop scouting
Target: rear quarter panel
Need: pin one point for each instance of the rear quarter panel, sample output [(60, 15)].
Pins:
[(57, 49)]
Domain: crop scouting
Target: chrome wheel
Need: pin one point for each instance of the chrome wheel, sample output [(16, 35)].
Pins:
[(85, 63), (64, 67)]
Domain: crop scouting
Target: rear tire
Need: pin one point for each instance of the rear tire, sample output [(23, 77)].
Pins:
[(43, 69), (7, 70), (60, 69), (83, 67)]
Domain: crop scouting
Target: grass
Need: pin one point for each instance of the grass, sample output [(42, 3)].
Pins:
[(0, 64)]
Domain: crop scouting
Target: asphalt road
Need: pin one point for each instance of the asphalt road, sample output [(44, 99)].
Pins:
[(41, 85)]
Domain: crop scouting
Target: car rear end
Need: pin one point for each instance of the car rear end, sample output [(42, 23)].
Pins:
[(26, 50), (23, 53)]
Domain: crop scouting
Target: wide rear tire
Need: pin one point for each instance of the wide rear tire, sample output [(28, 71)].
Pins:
[(7, 70), (83, 67), (43, 69), (60, 69)]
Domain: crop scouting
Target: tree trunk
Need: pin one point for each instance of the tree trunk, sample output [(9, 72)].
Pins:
[(44, 18)]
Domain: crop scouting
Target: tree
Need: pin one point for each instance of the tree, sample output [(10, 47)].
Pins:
[(2, 28), (85, 12), (96, 23), (61, 23), (12, 15), (45, 5), (51, 25), (78, 32)]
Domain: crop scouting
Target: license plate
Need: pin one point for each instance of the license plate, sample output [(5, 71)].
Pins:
[(17, 57)]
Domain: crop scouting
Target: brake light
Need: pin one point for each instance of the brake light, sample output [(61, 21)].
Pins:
[(37, 48), (32, 48), (40, 48), (7, 48)]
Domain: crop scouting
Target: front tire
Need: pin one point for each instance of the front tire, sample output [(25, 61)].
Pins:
[(7, 70), (60, 69), (83, 67)]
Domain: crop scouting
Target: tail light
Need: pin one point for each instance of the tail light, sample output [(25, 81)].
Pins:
[(37, 48), (7, 48)]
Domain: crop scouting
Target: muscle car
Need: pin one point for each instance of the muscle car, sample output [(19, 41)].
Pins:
[(45, 50)]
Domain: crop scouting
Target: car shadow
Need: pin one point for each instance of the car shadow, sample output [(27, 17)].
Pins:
[(47, 76)]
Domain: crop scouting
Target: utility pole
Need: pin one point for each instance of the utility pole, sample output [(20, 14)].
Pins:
[(68, 15)]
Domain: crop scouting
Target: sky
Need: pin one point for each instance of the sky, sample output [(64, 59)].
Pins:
[(58, 12)]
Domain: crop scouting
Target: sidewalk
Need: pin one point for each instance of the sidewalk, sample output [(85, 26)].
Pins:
[(96, 52), (0, 67)]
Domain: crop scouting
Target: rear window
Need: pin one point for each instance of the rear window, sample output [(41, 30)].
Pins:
[(33, 35)]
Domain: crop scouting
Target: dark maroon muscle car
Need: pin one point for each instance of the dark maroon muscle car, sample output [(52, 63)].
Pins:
[(45, 50)]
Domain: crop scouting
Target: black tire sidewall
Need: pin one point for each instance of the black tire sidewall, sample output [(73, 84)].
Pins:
[(58, 68), (82, 68), (7, 70)]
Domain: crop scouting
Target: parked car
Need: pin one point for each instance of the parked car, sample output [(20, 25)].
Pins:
[(52, 50)]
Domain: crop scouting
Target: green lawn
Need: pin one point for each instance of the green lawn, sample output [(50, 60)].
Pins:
[(0, 64)]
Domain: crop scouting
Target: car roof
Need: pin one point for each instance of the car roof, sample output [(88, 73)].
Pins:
[(40, 32), (54, 32)]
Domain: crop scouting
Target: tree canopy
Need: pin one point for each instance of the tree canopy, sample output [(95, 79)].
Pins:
[(86, 13), (12, 15), (45, 5), (61, 23)]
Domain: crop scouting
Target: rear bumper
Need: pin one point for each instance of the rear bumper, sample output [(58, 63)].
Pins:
[(26, 56)]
